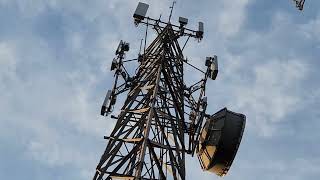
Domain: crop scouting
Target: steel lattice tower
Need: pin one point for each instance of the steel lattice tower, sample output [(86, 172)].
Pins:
[(151, 124), (161, 118)]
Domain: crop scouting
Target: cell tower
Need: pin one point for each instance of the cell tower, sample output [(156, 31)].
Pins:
[(163, 119)]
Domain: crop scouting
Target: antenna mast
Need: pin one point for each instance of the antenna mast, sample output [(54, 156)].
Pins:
[(173, 3), (161, 119)]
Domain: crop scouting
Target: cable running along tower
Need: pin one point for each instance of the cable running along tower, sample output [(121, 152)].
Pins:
[(162, 118)]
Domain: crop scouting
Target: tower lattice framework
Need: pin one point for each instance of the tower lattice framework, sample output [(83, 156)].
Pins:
[(148, 141)]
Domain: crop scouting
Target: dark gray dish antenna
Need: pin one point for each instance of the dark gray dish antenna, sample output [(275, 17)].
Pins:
[(219, 141)]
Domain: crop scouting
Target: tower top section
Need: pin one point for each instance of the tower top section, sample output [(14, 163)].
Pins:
[(140, 17)]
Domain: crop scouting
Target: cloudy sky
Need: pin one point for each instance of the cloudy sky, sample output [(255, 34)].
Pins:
[(54, 72)]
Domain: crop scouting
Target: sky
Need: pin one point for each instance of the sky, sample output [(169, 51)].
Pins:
[(55, 57)]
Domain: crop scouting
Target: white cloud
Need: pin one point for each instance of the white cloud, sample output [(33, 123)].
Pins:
[(232, 17), (8, 62), (311, 30), (47, 105), (293, 169), (272, 94), (265, 76)]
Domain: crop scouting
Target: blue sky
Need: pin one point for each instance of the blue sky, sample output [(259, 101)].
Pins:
[(54, 72)]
